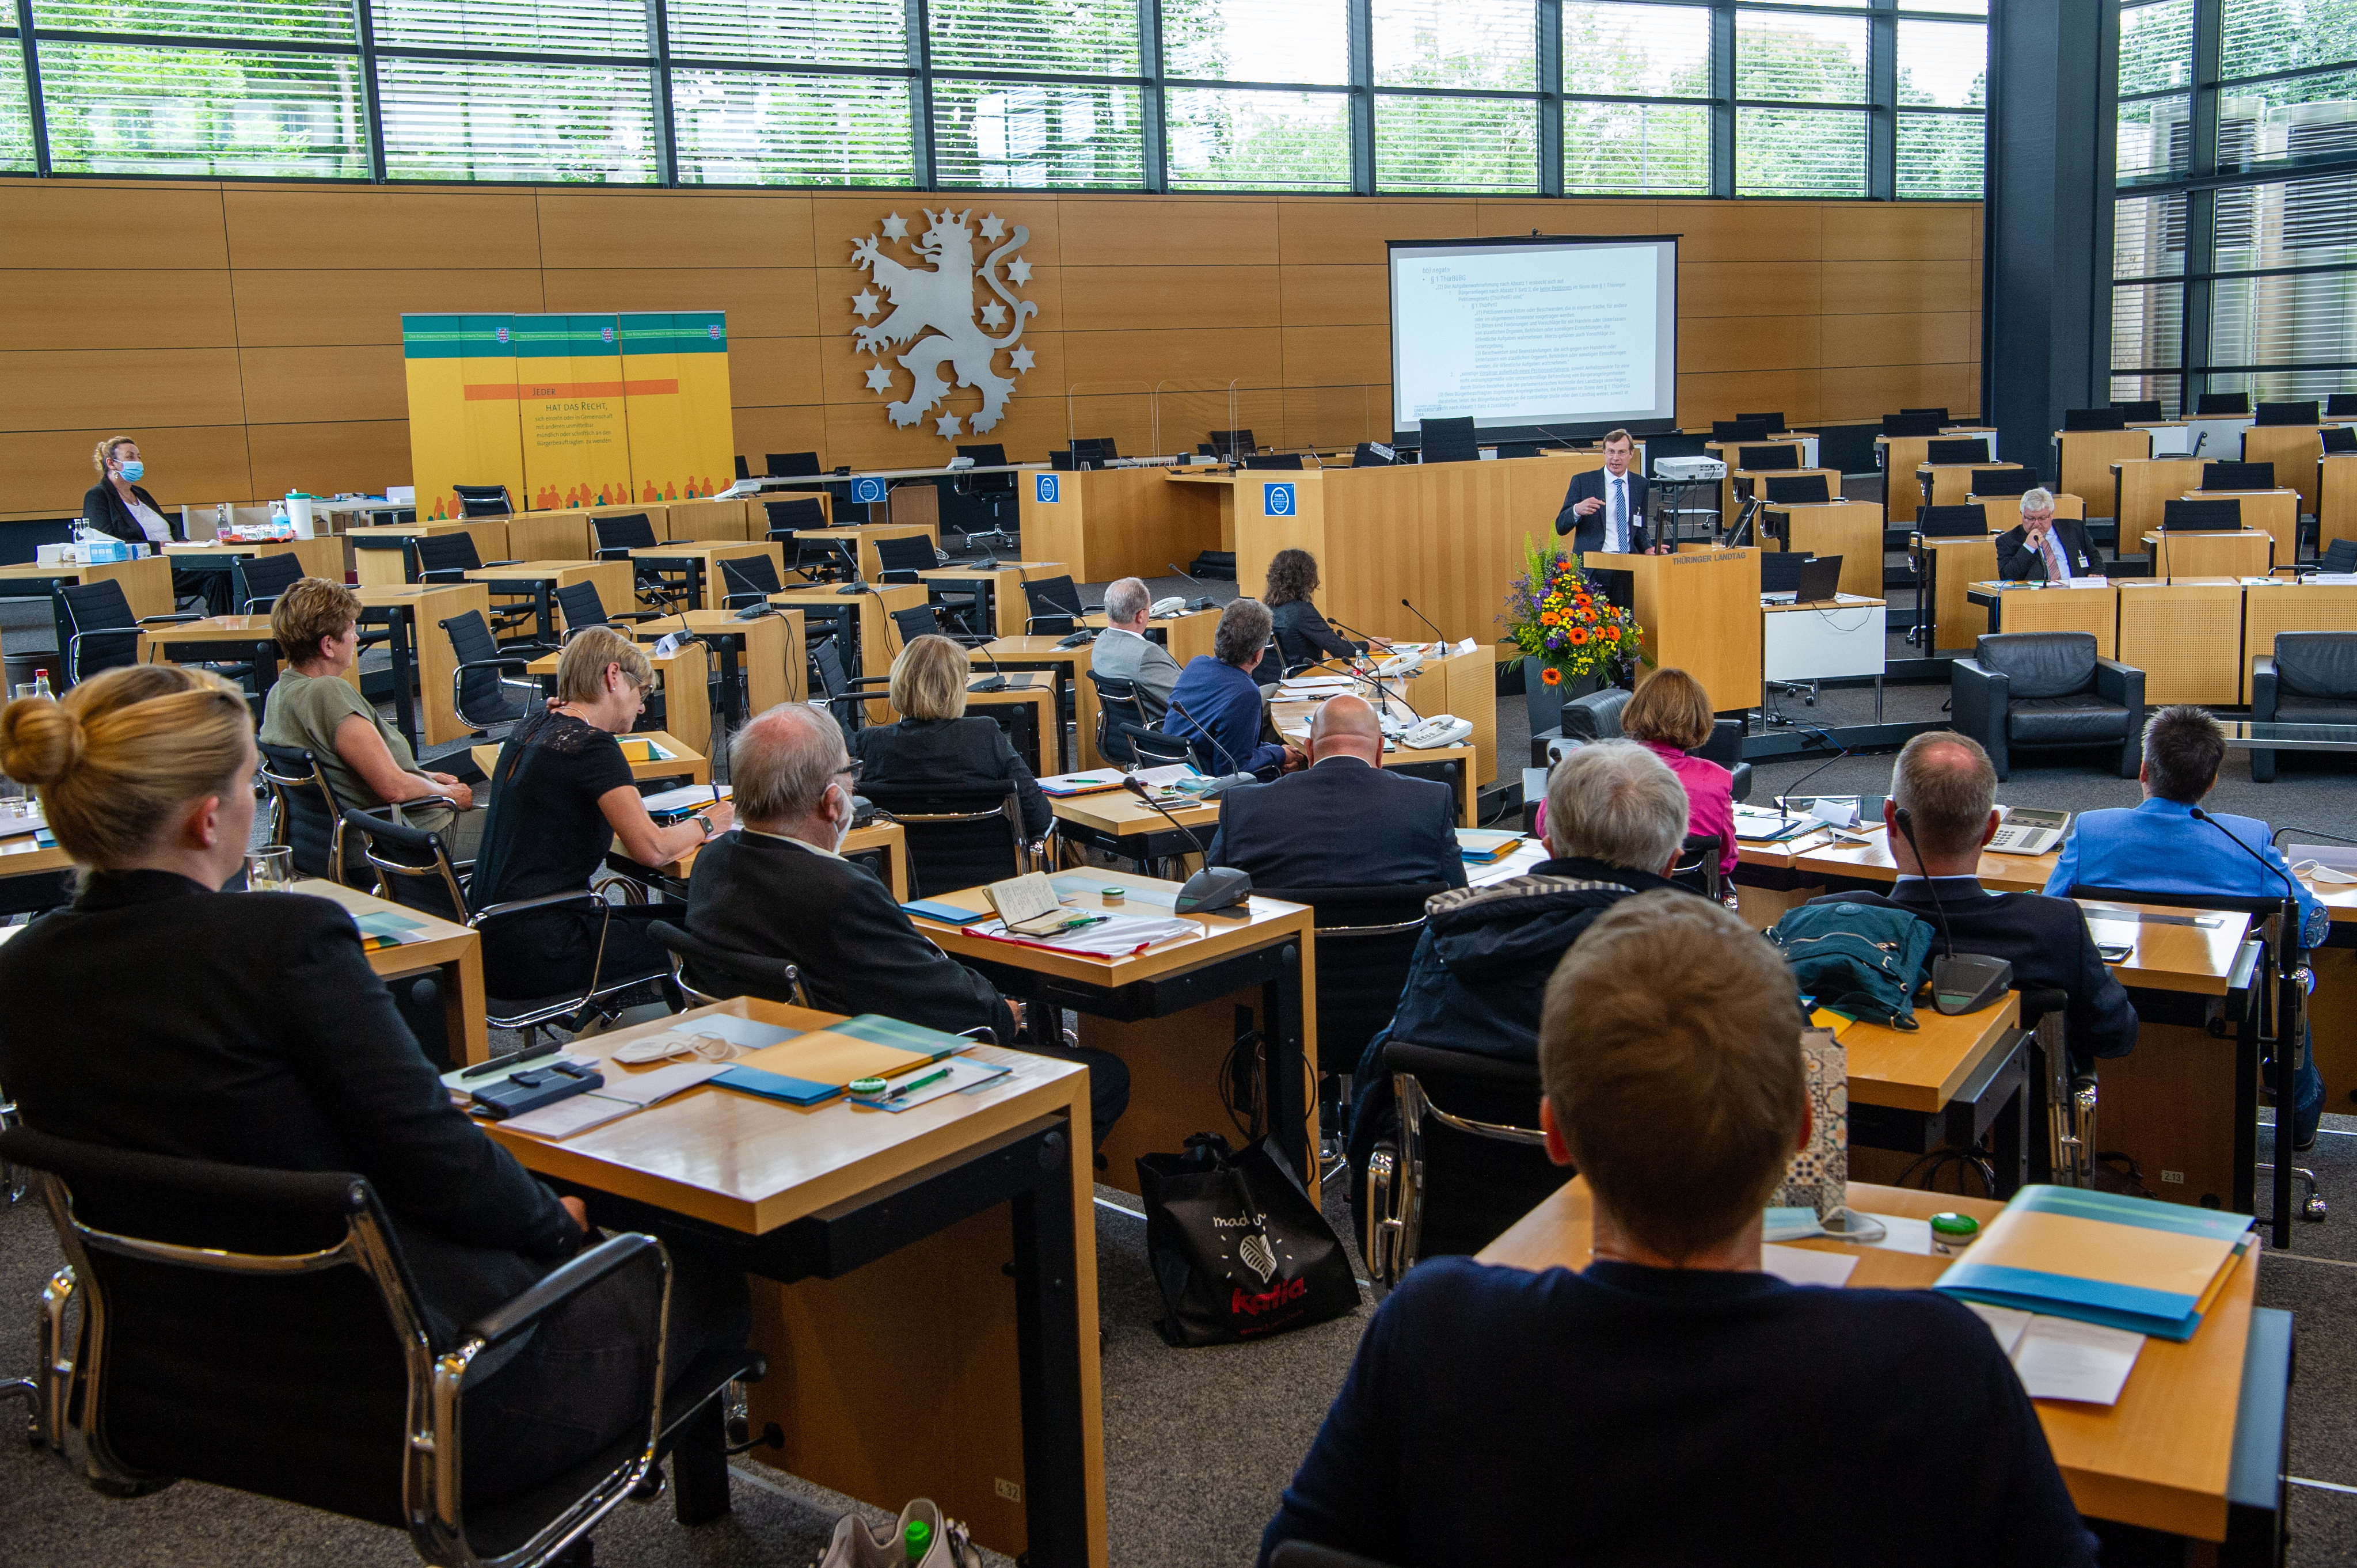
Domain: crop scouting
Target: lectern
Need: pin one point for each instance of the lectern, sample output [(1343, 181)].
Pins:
[(1698, 612)]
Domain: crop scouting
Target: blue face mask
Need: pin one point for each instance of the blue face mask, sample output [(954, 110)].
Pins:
[(134, 470)]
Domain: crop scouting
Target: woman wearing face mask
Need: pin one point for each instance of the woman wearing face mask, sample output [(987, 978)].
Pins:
[(116, 505), (562, 795)]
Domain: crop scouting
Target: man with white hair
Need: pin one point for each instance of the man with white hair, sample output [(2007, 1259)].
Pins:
[(2045, 548), (1124, 652), (1616, 825)]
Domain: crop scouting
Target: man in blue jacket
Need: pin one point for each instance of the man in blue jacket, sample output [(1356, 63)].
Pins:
[(1216, 707), (2161, 847)]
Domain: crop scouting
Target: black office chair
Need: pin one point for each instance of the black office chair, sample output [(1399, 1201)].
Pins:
[(2339, 557), (2089, 419), (98, 616), (995, 492), (310, 819), (791, 464), (2036, 689), (2222, 405), (2223, 476), (449, 557), (579, 605), (1769, 424), (915, 621), (2292, 413), (1055, 607), (1747, 427), (256, 581), (1230, 444), (812, 558), (1365, 456), (722, 974), (477, 685), (2003, 482), (744, 470), (748, 580), (1451, 1180), (617, 536), (2138, 410), (1449, 441), (2311, 679), (900, 560), (957, 838), (1155, 748), (1695, 867), (1725, 747), (843, 695), (1119, 710), (484, 500), (260, 1330), (412, 866)]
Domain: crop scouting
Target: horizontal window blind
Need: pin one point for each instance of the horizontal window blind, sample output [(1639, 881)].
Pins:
[(1794, 57), (1257, 40), (1242, 139), (2304, 318), (2147, 326), (1456, 144), (1456, 43), (2156, 47), (1652, 51), (291, 21), (1940, 156), (1948, 7), (1046, 134), (2153, 137), (137, 109), (554, 27), (761, 128), (16, 108), (1943, 64), (791, 32), (2147, 236), (2168, 390), (2282, 385), (1636, 149), (2256, 36), (1799, 152), (1089, 37), (507, 120)]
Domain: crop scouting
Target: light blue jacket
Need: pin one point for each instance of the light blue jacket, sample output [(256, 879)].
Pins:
[(2160, 848)]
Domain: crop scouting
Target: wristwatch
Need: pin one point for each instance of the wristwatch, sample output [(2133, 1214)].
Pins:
[(705, 823)]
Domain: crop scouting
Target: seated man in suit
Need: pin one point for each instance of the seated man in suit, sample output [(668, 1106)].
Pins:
[(1343, 821), (1121, 651), (2045, 548), (1216, 706), (1616, 824), (2161, 847), (1663, 1387), (777, 886), (1605, 507), (1946, 784)]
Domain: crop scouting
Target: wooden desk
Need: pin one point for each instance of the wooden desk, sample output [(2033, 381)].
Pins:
[(885, 844), (1947, 1083), (683, 677), (1950, 484), (2087, 459), (2141, 490), (1698, 611), (381, 557), (875, 638), (417, 611), (1742, 472), (715, 520), (2336, 503), (23, 854), (553, 536), (1292, 720), (454, 952), (146, 587), (769, 649), (1170, 1011), (2275, 604), (856, 1226), (2186, 553), (1124, 522), (543, 578), (1742, 482), (1069, 665), (1465, 685), (1899, 456), (1821, 854), (2295, 450), (1185, 636), (1851, 530), (686, 761), (1038, 693), (1003, 609), (321, 557), (1953, 563), (2160, 1458), (2031, 606), (2274, 512), (248, 636), (1117, 823), (861, 538), (705, 587)]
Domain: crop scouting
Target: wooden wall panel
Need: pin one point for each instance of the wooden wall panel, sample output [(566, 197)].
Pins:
[(249, 334)]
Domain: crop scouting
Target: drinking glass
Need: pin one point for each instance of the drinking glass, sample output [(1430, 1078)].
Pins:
[(270, 870)]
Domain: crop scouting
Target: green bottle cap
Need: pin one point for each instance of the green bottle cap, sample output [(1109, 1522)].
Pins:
[(917, 1538), (1951, 1227), (870, 1086)]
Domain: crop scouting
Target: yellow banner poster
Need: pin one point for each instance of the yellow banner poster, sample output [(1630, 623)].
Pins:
[(675, 368), (455, 437), (568, 387)]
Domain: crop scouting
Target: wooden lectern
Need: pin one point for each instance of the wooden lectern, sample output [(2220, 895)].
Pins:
[(1699, 612)]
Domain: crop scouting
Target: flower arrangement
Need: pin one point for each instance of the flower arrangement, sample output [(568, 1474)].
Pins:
[(1557, 614)]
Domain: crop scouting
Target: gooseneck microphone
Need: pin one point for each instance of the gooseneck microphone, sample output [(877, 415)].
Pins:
[(2294, 938), (1239, 774), (1211, 888), (1961, 983), (1419, 615), (1203, 603)]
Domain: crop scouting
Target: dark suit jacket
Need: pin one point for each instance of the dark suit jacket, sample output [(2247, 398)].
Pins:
[(1303, 637), (2046, 941), (2016, 561), (1341, 824), (1587, 532), (103, 509), (247, 1028), (971, 753), (838, 924)]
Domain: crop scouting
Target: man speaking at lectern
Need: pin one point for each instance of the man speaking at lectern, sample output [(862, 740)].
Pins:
[(1605, 507)]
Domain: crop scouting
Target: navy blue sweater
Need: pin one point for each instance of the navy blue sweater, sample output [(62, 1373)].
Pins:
[(1218, 697), (1633, 1415)]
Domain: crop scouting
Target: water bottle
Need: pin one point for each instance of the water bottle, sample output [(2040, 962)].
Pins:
[(41, 684)]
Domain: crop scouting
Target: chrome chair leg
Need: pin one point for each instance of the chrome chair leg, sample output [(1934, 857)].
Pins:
[(2313, 1208)]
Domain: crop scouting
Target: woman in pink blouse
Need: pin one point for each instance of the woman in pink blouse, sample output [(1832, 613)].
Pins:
[(1670, 714)]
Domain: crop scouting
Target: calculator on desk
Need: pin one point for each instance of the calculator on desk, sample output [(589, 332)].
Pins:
[(2028, 832)]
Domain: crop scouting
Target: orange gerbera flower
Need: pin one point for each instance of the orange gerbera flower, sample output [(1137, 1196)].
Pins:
[(1550, 676), (1579, 635), (1549, 617)]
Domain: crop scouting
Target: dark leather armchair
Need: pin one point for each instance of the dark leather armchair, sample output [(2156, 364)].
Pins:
[(2026, 689), (2310, 680)]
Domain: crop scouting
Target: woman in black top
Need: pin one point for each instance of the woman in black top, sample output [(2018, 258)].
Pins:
[(1302, 635), (560, 796), (247, 1028), (935, 746), (117, 506)]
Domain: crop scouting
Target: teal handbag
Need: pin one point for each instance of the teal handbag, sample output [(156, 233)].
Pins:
[(1859, 959)]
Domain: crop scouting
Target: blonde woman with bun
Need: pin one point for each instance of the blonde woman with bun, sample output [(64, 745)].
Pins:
[(159, 1014)]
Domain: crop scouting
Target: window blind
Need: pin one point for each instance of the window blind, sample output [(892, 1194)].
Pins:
[(1940, 156), (1635, 50), (2257, 37), (1799, 152), (1456, 43), (293, 21), (1456, 144), (1258, 40), (508, 120), (15, 108), (555, 27), (1794, 57), (2156, 47), (1046, 134), (139, 109), (791, 32), (1247, 139), (1631, 149), (1089, 37), (764, 128)]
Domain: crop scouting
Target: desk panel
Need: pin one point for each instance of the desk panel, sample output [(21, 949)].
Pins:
[(1120, 523), (2280, 605), (2095, 611), (2084, 465), (2185, 636), (1851, 530), (2248, 554), (2295, 450), (2141, 490), (2336, 505)]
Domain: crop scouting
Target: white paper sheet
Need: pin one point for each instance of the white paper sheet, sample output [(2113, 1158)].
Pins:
[(2060, 1358), (2006, 1323), (1807, 1266), (963, 1075)]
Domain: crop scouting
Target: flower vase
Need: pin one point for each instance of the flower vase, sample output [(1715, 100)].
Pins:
[(1546, 701)]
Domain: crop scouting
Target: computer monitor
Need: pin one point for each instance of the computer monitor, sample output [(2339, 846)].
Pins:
[(2140, 411), (1061, 460), (1911, 424), (2094, 419), (1952, 522), (1799, 489), (2202, 517), (2238, 476), (2222, 405), (1762, 460), (1774, 422), (2003, 481), (1450, 440), (1971, 449), (1746, 429), (1780, 571)]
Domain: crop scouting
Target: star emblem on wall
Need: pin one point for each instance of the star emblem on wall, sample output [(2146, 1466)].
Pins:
[(1020, 359), (863, 305), (896, 227), (994, 315), (879, 380), (994, 226), (1019, 271), (944, 305), (947, 424)]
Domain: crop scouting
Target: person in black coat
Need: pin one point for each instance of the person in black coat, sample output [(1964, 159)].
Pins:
[(1302, 635), (935, 746), (248, 1029), (1604, 509), (1948, 788), (2027, 554), (117, 506), (777, 888), (1343, 821)]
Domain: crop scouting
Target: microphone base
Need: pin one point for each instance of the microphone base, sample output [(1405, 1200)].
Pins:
[(1213, 888), (989, 683), (1967, 983)]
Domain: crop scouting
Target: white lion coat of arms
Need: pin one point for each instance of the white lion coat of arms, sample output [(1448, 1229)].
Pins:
[(935, 307)]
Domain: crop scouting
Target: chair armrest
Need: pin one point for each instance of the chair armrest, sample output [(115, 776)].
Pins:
[(503, 562), (2263, 688), (2118, 682), (1982, 696), (607, 1258), (156, 620), (616, 553), (544, 901), (494, 665), (443, 574)]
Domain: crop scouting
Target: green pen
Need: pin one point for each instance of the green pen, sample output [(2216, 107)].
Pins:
[(916, 1083)]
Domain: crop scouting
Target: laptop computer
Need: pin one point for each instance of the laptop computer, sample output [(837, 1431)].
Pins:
[(1814, 577), (2238, 476), (2202, 517), (1951, 522), (1787, 490)]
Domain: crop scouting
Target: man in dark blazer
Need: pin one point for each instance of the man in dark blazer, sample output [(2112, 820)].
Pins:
[(1949, 789), (1605, 507), (2046, 548), (1343, 821), (775, 886)]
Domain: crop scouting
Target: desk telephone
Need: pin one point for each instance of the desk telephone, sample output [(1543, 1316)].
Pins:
[(1439, 730), (1163, 609)]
